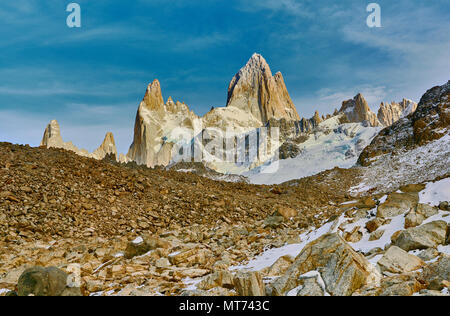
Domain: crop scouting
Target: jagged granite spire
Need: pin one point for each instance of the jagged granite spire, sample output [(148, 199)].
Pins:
[(254, 90)]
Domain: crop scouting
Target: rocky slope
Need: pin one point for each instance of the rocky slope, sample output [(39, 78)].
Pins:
[(415, 148), (60, 209), (128, 230)]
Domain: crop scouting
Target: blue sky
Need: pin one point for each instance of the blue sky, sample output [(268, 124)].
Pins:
[(92, 79)]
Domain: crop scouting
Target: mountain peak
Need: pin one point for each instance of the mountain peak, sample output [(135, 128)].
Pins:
[(357, 110), (258, 63), (254, 90), (52, 135), (108, 147), (153, 96)]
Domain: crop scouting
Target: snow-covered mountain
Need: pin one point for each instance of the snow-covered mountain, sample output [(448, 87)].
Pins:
[(414, 149), (331, 144)]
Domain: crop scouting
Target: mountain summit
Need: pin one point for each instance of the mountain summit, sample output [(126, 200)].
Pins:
[(255, 90), (357, 110)]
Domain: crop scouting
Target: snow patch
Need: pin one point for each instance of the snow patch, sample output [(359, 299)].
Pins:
[(436, 192)]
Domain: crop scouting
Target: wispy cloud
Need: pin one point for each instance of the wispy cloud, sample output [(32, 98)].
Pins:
[(289, 7)]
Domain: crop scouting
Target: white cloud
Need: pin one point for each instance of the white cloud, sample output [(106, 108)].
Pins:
[(291, 7)]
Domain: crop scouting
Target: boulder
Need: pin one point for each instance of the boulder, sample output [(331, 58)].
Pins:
[(273, 221), (376, 235), (400, 285), (223, 279), (431, 293), (12, 277), (425, 236), (342, 269), (412, 188), (287, 212), (413, 219), (428, 254), (445, 206), (426, 210), (39, 281), (142, 245), (136, 248), (191, 257), (435, 273), (162, 263), (366, 203), (353, 236), (397, 285), (249, 284), (374, 224), (397, 204), (396, 260)]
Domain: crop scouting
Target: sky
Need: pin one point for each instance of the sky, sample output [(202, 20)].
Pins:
[(92, 79)]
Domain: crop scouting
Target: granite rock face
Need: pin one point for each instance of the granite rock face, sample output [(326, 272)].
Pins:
[(255, 90), (156, 123), (396, 260)]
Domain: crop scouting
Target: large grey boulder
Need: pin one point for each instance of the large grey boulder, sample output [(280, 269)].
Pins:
[(396, 260), (425, 236), (397, 204), (437, 272), (39, 281), (342, 269)]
